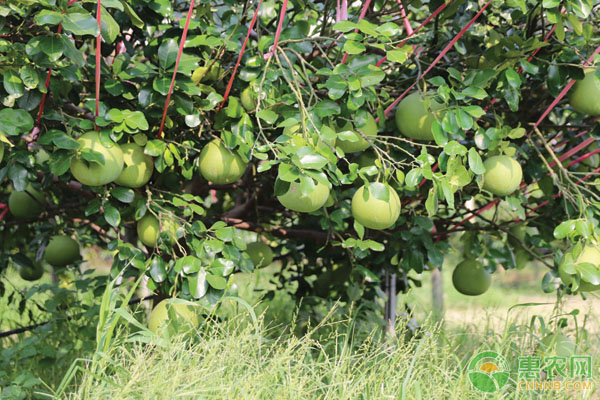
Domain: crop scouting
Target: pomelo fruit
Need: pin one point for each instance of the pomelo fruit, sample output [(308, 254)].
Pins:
[(138, 167), (471, 278), (503, 175), (415, 115), (220, 165), (149, 229), (61, 251), (260, 254), (594, 160), (363, 122), (248, 99), (584, 96), (93, 173), (589, 254), (26, 204), (294, 200), (31, 273), (185, 317), (373, 213)]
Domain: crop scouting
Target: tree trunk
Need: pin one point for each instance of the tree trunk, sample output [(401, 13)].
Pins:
[(390, 304), (437, 294)]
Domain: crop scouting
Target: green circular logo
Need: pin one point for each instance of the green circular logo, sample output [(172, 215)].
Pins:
[(488, 371)]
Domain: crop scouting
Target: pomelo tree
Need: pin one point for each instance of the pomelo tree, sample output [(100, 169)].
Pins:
[(119, 133)]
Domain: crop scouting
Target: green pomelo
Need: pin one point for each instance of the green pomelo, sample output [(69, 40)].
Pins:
[(181, 318), (220, 165), (149, 229), (372, 212), (363, 123), (503, 175), (93, 173), (26, 204), (62, 251), (471, 278), (32, 273), (415, 116), (138, 167), (260, 254), (248, 99), (589, 254), (294, 200), (584, 96)]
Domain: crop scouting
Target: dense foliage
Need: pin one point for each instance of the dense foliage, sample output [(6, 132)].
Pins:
[(309, 117)]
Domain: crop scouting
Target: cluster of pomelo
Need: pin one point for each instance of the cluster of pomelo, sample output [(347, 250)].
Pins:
[(503, 176), (60, 251), (125, 164)]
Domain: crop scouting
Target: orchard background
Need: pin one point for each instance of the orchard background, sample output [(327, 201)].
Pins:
[(297, 163)]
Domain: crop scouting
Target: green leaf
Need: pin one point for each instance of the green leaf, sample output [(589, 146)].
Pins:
[(309, 159), (93, 207), (12, 83), (93, 156), (48, 17), (564, 229), (375, 246), (475, 163), (380, 191), (162, 84), (155, 148), (413, 177), (367, 28), (529, 67), (167, 53), (475, 92), (216, 281), (550, 3), (589, 273), (122, 194), (60, 162), (326, 108), (267, 115), (80, 24), (454, 148), (188, 264), (464, 120), (110, 27), (431, 204), (344, 26), (398, 56), (475, 111), (198, 285), (71, 51), (29, 76), (513, 79), (370, 75), (135, 20), (65, 141), (14, 122), (516, 133), (352, 47), (158, 271), (52, 47), (112, 215), (388, 29)]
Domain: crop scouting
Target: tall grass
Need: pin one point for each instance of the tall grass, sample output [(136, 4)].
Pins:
[(244, 358)]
